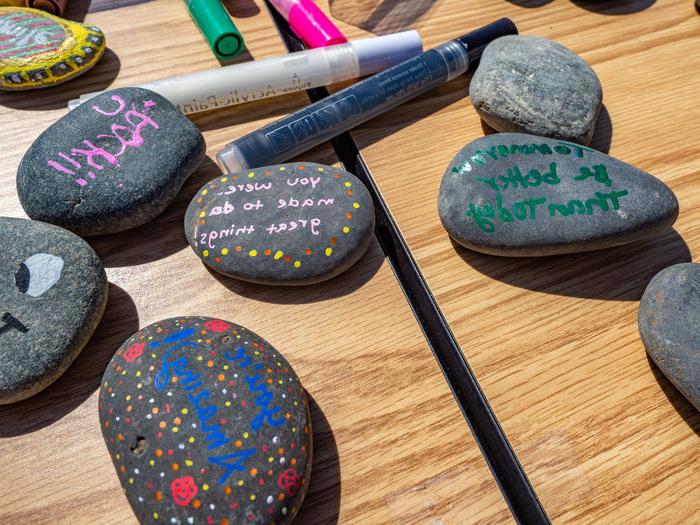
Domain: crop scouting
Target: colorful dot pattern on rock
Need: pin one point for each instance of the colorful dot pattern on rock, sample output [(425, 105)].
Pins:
[(206, 423), (279, 221)]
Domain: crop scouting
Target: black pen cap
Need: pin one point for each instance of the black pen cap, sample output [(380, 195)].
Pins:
[(477, 40)]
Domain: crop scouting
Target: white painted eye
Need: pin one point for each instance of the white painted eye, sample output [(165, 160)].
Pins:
[(38, 273)]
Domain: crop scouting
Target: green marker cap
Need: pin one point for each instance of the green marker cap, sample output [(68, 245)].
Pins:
[(215, 24)]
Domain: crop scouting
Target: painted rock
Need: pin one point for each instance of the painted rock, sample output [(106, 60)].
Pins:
[(669, 316), (41, 50), (111, 164), (532, 85), (53, 291), (290, 224), (520, 195), (206, 423)]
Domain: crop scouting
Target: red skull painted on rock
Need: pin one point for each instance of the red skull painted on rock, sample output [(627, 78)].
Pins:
[(289, 481), (134, 352), (216, 325)]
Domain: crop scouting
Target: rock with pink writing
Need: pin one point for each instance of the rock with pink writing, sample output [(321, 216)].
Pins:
[(206, 423), (111, 164), (290, 224)]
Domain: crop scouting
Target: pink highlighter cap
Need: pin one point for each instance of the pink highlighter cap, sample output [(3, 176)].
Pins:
[(313, 26)]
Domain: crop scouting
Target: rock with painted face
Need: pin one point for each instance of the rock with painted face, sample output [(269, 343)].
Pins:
[(40, 50), (291, 224), (513, 194), (206, 423), (111, 164), (53, 291)]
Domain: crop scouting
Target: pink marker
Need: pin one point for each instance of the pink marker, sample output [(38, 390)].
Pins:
[(309, 23)]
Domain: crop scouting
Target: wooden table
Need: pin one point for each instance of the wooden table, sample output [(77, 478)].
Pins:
[(602, 435)]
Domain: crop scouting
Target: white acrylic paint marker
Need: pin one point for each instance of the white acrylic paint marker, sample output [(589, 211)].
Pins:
[(239, 83)]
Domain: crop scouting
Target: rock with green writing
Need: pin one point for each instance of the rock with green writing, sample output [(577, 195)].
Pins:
[(533, 85), (521, 195), (206, 422)]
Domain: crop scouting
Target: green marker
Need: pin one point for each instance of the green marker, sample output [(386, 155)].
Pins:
[(216, 26)]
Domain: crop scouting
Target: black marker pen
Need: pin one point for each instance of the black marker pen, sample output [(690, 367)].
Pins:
[(350, 107)]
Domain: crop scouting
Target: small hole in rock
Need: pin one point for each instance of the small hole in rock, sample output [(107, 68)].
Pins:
[(139, 447), (226, 339)]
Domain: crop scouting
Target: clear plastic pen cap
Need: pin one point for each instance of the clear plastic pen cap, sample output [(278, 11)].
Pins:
[(379, 53)]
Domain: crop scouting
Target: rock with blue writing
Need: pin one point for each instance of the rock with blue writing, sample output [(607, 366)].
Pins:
[(290, 224), (111, 164), (513, 194), (533, 85), (668, 318), (206, 423), (53, 291), (40, 50)]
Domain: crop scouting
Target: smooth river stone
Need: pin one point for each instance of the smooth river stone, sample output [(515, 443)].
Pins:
[(669, 317), (290, 224), (206, 423), (111, 164), (513, 194), (529, 84), (53, 291), (41, 50)]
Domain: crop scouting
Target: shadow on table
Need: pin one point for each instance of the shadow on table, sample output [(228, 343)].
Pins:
[(241, 8), (322, 502), (160, 237), (99, 78), (605, 7), (345, 283), (615, 274), (380, 16), (684, 407), (614, 7), (82, 378), (530, 3), (602, 134)]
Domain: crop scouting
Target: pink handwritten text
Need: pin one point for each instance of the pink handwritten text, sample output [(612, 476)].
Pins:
[(83, 160)]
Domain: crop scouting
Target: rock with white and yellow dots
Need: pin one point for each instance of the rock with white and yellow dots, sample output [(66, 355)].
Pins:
[(206, 423), (41, 50), (291, 224)]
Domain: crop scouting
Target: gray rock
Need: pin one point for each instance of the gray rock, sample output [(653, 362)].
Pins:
[(206, 423), (290, 224), (533, 85), (520, 195), (53, 291), (111, 164), (668, 318)]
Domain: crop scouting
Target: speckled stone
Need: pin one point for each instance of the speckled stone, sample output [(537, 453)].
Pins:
[(206, 423), (39, 50), (533, 85), (290, 224), (111, 164), (669, 317), (53, 291), (513, 194)]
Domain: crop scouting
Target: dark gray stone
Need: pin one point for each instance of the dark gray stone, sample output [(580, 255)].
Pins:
[(111, 164), (520, 195), (669, 317), (533, 85), (206, 423), (290, 224), (53, 291)]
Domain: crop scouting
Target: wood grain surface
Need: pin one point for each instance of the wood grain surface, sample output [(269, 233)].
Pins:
[(602, 434)]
